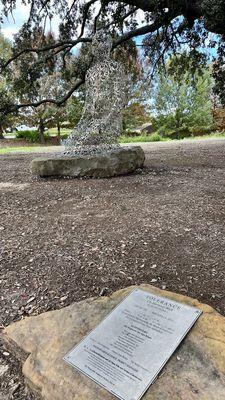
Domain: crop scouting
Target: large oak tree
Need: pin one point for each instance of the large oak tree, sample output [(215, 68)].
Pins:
[(167, 26)]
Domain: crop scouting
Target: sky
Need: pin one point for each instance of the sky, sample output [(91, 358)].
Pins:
[(12, 25)]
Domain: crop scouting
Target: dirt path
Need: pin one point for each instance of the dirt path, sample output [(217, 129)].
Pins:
[(65, 240)]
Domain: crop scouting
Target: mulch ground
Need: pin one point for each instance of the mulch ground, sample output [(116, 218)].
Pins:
[(65, 240), (15, 143)]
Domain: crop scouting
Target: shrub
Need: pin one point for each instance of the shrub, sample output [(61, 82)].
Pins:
[(132, 133), (185, 131), (201, 130), (30, 136), (174, 133), (155, 137), (64, 136)]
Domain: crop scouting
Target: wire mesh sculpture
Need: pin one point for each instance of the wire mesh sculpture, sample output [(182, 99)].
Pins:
[(101, 122)]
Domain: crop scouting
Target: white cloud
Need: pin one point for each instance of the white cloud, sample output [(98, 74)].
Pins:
[(140, 15), (8, 32)]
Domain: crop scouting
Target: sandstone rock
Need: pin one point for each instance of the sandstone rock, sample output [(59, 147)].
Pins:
[(196, 371), (121, 161)]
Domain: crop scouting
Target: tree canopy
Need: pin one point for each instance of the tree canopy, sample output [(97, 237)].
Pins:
[(182, 102), (167, 26), (7, 95)]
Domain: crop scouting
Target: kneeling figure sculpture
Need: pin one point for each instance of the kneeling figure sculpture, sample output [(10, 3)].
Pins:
[(101, 121)]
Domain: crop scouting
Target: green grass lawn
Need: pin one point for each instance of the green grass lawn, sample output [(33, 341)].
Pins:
[(7, 150), (51, 132), (123, 139), (155, 137), (211, 136)]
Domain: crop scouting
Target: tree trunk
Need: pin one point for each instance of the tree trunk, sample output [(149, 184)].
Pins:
[(1, 132), (58, 129), (41, 131)]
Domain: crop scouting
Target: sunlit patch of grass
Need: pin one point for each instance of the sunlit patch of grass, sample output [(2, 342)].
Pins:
[(63, 131), (211, 136), (155, 137)]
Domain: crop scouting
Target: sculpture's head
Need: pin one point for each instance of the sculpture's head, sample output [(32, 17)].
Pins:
[(101, 45)]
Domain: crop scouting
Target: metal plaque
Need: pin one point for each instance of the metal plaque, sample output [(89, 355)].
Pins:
[(127, 350)]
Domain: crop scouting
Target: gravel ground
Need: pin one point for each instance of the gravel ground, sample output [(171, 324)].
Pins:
[(65, 240)]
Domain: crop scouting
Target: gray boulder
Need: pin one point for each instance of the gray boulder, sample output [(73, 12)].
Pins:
[(123, 160)]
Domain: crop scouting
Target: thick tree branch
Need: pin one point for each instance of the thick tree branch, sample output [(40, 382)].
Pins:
[(38, 50), (122, 19), (36, 104), (96, 20), (85, 15), (138, 32), (145, 5), (190, 9)]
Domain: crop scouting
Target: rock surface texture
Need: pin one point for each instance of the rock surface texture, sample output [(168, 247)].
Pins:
[(196, 371), (123, 160)]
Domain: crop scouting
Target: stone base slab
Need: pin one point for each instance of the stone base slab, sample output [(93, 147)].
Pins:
[(196, 371), (121, 161)]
